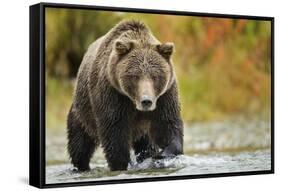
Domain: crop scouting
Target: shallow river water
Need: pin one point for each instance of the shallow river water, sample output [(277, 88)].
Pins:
[(181, 165), (216, 149)]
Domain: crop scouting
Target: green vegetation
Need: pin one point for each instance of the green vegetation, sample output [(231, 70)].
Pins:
[(58, 101), (222, 65)]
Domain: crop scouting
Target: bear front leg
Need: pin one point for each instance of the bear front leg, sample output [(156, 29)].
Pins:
[(143, 148), (113, 114), (167, 126), (80, 145), (168, 135), (114, 139)]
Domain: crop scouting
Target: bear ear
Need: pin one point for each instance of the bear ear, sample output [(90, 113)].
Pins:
[(165, 49), (123, 47)]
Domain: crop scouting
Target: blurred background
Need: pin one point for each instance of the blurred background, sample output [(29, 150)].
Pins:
[(223, 69)]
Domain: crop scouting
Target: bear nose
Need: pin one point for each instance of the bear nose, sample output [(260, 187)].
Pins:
[(146, 101)]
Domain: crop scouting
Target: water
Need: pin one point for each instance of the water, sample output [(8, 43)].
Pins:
[(209, 148)]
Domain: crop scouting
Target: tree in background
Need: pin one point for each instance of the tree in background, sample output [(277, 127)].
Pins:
[(223, 65), (69, 32)]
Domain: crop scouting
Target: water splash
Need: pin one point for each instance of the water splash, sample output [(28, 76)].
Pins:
[(180, 165)]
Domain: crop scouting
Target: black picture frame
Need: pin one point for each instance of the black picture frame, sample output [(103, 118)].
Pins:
[(37, 94)]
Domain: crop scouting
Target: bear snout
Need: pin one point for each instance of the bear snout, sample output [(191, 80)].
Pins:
[(145, 100), (146, 103)]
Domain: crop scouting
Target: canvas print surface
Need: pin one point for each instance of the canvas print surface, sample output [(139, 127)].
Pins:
[(138, 95)]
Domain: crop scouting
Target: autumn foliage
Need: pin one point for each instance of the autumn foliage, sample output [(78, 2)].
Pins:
[(223, 65)]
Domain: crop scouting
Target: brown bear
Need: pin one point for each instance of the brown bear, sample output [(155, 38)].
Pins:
[(126, 97)]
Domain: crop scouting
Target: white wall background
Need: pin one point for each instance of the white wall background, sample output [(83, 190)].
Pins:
[(14, 73)]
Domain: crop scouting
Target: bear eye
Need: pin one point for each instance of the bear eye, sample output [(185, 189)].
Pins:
[(154, 77)]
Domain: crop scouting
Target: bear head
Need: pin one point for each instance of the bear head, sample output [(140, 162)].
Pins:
[(142, 72)]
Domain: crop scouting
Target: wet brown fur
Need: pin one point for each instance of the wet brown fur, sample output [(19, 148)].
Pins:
[(103, 110)]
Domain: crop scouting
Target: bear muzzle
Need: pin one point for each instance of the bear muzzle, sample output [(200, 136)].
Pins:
[(146, 103), (146, 100)]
